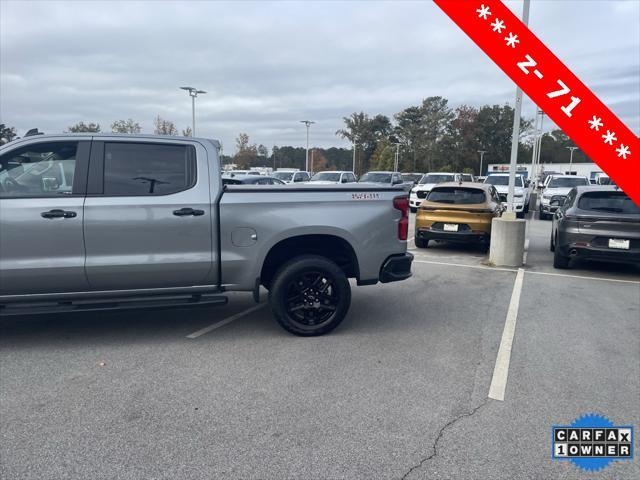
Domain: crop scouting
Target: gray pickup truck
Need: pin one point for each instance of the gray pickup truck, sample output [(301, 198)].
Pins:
[(93, 222)]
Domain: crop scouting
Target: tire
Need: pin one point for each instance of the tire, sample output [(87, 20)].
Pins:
[(552, 246), (526, 207), (421, 243), (559, 260), (543, 216), (299, 291), (413, 209), (519, 214)]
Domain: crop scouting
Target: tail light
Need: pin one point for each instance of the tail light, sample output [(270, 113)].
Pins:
[(402, 204)]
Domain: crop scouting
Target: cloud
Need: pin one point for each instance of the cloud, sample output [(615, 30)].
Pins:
[(268, 65)]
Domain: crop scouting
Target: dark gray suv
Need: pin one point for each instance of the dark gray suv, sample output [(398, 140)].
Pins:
[(596, 223)]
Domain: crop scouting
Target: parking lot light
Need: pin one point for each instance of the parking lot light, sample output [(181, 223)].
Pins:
[(306, 160), (193, 93), (571, 158), (481, 152)]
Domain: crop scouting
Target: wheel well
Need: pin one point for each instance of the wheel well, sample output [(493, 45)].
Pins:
[(334, 248)]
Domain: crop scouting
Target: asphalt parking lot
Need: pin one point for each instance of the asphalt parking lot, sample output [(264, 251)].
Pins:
[(399, 390)]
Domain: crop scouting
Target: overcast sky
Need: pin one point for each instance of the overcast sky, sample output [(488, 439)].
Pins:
[(266, 66)]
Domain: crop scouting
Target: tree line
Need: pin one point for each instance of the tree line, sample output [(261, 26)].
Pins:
[(433, 136), (161, 127), (430, 136)]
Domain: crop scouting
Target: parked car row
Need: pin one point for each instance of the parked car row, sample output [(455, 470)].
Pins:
[(281, 177), (589, 221)]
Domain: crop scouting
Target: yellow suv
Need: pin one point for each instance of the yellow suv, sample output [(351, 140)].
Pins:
[(458, 212)]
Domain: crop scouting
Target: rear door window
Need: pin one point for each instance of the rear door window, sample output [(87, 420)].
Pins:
[(136, 169)]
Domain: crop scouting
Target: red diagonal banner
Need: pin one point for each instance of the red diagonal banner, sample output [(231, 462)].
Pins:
[(552, 86)]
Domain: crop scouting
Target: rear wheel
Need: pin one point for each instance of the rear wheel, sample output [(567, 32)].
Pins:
[(413, 209), (421, 243), (310, 295), (519, 214), (552, 245), (560, 260), (526, 208)]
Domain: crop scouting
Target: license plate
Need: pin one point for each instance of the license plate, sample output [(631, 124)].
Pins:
[(618, 243), (453, 227)]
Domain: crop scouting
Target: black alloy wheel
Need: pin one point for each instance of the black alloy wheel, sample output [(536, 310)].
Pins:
[(310, 295)]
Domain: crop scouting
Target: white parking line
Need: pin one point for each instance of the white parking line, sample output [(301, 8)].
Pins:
[(227, 320), (482, 267), (604, 279), (501, 369)]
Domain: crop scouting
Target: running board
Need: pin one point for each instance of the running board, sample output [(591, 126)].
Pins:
[(93, 305)]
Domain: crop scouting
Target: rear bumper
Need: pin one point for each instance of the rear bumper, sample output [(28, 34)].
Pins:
[(396, 268), (517, 207), (601, 254), (462, 237)]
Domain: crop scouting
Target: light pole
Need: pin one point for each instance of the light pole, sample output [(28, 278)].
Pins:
[(515, 139), (571, 158), (353, 166), (311, 165), (306, 159), (193, 93), (540, 135), (481, 152)]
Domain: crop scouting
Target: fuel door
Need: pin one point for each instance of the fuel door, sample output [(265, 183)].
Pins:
[(244, 237)]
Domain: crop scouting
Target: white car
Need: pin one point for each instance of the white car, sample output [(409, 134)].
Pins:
[(237, 173), (555, 192), (291, 176), (327, 178), (520, 193), (426, 183)]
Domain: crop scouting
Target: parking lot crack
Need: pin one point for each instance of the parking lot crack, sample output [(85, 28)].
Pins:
[(434, 446)]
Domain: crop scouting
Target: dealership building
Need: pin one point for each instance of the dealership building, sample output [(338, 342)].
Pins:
[(587, 169)]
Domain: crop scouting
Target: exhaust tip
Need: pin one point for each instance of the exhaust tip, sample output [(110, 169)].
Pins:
[(573, 252)]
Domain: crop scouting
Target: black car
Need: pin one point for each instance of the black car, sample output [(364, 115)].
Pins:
[(251, 180), (596, 223)]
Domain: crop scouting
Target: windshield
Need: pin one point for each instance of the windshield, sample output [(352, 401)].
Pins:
[(436, 178), (376, 177), (456, 195), (566, 182), (502, 180), (616, 202), (326, 177), (285, 176), (411, 177)]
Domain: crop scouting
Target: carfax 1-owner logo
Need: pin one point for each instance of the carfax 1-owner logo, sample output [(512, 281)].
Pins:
[(592, 442)]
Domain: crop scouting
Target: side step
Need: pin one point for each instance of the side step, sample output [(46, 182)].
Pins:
[(130, 303)]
